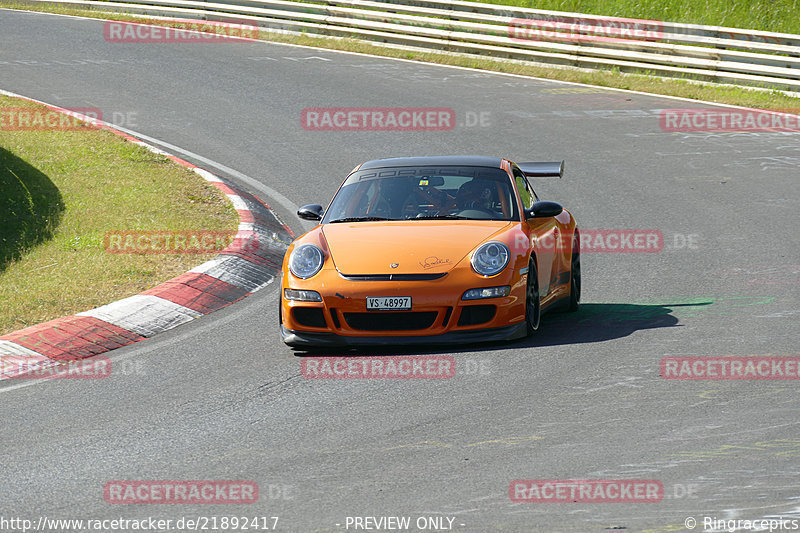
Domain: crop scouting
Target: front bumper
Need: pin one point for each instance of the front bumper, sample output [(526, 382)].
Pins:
[(307, 339), (438, 315)]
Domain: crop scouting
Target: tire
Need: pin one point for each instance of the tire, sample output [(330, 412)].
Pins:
[(533, 305), (575, 275)]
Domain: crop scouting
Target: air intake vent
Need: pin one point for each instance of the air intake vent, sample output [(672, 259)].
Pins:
[(476, 314), (390, 321), (311, 317)]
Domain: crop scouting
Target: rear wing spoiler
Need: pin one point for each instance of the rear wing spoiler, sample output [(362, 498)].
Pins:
[(542, 170)]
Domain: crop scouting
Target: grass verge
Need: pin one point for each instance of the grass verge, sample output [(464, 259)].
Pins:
[(685, 88), (61, 191)]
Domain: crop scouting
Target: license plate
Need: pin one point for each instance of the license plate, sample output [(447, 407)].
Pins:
[(388, 303)]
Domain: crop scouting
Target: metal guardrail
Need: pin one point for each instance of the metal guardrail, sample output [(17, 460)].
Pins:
[(726, 55)]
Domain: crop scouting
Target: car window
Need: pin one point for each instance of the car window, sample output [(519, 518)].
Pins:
[(406, 193), (526, 194)]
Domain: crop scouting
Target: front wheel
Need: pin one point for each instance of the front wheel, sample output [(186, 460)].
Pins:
[(575, 276), (533, 307)]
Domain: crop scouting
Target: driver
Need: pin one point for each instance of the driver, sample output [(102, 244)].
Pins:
[(475, 194)]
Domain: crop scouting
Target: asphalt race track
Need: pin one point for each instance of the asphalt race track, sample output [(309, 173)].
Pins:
[(222, 398)]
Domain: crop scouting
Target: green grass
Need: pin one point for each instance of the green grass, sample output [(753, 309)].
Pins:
[(61, 191), (767, 15)]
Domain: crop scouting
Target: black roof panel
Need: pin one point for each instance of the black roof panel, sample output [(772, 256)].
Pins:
[(434, 160)]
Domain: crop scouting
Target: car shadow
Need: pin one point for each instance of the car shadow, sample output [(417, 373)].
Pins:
[(598, 322), (593, 322)]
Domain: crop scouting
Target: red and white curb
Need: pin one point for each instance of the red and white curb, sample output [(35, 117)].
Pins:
[(235, 273)]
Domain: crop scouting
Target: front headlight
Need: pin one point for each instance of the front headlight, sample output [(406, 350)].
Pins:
[(490, 258), (306, 260)]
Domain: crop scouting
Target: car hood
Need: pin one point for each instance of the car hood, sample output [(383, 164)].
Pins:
[(433, 246)]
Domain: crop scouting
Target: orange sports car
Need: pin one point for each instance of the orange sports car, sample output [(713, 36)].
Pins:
[(428, 250)]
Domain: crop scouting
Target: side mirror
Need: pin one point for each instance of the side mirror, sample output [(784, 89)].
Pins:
[(544, 210), (310, 212)]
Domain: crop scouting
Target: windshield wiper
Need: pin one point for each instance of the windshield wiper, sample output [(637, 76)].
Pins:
[(443, 217), (358, 219)]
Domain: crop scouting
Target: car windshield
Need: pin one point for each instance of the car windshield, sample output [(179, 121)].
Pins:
[(424, 193)]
